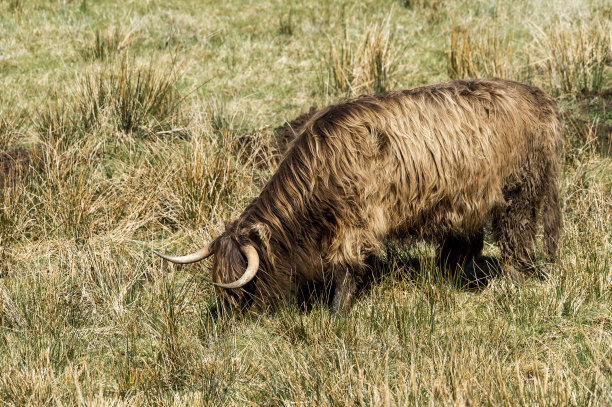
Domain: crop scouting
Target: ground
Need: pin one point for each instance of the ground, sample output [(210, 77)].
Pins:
[(132, 126)]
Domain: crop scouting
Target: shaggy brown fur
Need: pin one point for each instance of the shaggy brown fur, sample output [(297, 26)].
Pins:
[(436, 163)]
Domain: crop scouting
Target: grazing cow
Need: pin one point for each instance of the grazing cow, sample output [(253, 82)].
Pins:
[(436, 163)]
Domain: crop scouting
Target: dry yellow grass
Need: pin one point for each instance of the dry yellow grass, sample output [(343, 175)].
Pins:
[(151, 123)]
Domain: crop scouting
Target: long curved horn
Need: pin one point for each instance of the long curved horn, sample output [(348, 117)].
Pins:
[(190, 258), (252, 267)]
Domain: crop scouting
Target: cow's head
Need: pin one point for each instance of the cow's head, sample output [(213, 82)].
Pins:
[(235, 265)]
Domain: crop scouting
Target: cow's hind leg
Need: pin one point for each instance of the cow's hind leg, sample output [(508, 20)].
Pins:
[(514, 226), (457, 250), (345, 288)]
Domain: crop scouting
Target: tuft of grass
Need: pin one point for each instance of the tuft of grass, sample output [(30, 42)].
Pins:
[(588, 123), (14, 216), (208, 182), (223, 119), (479, 54), (286, 24), (69, 184), (57, 126), (132, 98), (108, 43), (583, 134), (365, 66), (248, 145), (11, 123), (16, 6), (577, 57), (144, 98), (92, 100), (169, 307)]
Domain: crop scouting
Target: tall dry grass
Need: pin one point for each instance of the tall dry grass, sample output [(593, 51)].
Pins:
[(480, 53), (362, 66), (130, 97), (131, 152), (577, 56), (110, 42)]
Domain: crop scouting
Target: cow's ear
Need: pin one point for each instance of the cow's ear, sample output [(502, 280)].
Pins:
[(262, 232), (229, 225)]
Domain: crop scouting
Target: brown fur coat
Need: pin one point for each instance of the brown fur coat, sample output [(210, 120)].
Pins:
[(436, 163)]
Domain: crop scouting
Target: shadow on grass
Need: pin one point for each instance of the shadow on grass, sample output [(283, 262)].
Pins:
[(480, 272), (475, 276)]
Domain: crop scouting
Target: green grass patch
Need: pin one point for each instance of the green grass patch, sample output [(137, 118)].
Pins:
[(131, 126)]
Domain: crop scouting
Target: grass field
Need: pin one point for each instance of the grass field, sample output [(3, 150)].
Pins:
[(139, 125)]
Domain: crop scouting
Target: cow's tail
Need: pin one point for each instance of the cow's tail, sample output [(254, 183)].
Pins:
[(551, 218), (551, 213)]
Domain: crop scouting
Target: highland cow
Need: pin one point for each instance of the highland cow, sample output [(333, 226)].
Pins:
[(436, 163)]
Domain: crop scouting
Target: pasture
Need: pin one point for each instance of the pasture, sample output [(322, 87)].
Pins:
[(140, 125)]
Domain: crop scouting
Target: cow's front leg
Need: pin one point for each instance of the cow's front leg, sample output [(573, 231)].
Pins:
[(345, 288)]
